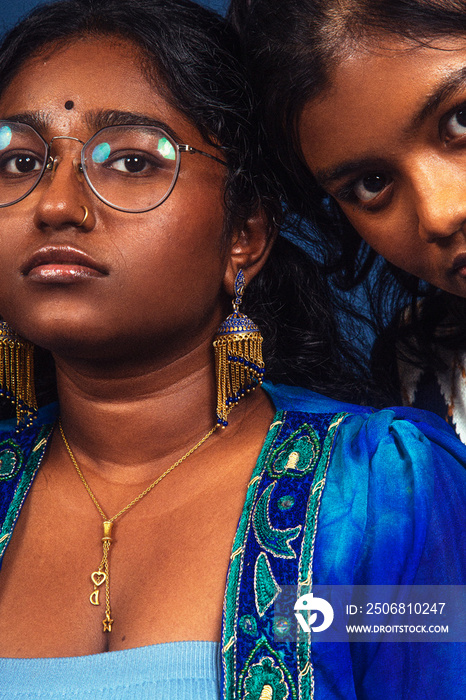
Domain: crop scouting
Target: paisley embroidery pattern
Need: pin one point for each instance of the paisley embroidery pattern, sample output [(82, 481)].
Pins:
[(274, 547), (272, 539), (301, 459), (265, 676), (20, 457), (266, 589), (305, 573), (11, 459)]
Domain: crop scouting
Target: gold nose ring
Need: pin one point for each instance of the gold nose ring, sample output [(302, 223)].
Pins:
[(86, 214)]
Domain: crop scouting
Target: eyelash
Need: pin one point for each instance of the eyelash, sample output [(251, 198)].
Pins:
[(346, 192)]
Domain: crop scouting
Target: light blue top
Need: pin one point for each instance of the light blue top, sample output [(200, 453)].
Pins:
[(172, 671)]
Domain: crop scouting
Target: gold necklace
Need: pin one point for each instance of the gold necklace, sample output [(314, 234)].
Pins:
[(102, 574)]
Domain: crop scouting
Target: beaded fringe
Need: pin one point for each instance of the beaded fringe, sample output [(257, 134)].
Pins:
[(238, 363), (17, 373)]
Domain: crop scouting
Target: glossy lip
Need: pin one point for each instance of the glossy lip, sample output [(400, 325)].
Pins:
[(459, 265), (61, 263)]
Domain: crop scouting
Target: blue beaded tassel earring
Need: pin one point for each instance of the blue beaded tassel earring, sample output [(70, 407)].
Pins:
[(238, 356), (17, 373)]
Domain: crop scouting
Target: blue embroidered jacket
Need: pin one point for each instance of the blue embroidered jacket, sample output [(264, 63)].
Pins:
[(340, 495)]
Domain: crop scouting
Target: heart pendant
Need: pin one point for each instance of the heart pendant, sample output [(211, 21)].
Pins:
[(98, 577)]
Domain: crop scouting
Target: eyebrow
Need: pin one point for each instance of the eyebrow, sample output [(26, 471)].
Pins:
[(112, 117), (38, 120), (97, 120), (451, 84)]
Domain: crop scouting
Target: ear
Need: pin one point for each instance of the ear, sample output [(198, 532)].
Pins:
[(249, 248)]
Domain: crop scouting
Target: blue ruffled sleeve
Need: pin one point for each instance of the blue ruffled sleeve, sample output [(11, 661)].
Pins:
[(393, 511)]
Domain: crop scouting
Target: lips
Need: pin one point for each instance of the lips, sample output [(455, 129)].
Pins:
[(61, 264)]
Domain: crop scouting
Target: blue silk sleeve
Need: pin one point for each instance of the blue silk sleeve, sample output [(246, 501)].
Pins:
[(393, 511)]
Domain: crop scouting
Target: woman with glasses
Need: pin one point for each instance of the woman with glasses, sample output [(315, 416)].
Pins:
[(153, 515)]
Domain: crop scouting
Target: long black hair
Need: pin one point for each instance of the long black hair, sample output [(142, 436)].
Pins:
[(291, 48), (197, 56)]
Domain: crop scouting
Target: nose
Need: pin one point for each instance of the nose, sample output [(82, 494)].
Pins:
[(64, 194), (440, 198)]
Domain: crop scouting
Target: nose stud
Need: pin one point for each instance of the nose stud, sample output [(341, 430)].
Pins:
[(86, 214)]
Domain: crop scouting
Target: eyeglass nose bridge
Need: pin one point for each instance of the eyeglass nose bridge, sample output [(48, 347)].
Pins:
[(70, 138), (53, 161)]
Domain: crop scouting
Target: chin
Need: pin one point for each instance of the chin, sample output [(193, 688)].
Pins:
[(64, 336)]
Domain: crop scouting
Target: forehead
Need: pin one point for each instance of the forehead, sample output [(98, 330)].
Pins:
[(96, 73), (374, 95)]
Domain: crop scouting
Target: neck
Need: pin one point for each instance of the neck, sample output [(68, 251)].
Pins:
[(127, 418)]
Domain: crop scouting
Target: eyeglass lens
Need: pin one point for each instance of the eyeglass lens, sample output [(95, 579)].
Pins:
[(130, 168)]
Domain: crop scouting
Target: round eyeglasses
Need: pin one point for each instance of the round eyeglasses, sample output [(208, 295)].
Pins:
[(130, 168)]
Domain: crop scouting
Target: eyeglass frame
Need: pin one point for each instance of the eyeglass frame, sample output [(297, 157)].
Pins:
[(51, 162)]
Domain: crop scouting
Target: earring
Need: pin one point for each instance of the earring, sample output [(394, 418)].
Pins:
[(17, 373), (238, 356)]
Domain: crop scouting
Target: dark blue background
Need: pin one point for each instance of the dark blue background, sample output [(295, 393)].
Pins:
[(12, 10)]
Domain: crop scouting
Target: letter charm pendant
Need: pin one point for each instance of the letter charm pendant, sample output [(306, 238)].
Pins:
[(102, 576)]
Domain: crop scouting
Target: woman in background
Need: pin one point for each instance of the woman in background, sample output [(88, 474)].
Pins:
[(142, 548), (365, 102)]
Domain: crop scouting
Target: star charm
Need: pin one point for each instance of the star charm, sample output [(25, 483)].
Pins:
[(107, 623)]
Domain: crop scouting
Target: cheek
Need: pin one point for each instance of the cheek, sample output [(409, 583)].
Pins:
[(394, 236), (15, 240), (180, 254)]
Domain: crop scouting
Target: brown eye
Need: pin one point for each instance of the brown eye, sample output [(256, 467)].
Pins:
[(369, 186), (456, 124), (19, 164), (25, 164), (130, 164)]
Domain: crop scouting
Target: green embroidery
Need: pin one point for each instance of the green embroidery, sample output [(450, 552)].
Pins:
[(275, 541), (26, 479), (303, 642), (249, 625), (11, 459), (301, 459), (295, 466), (286, 502), (266, 589), (236, 560), (265, 675)]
